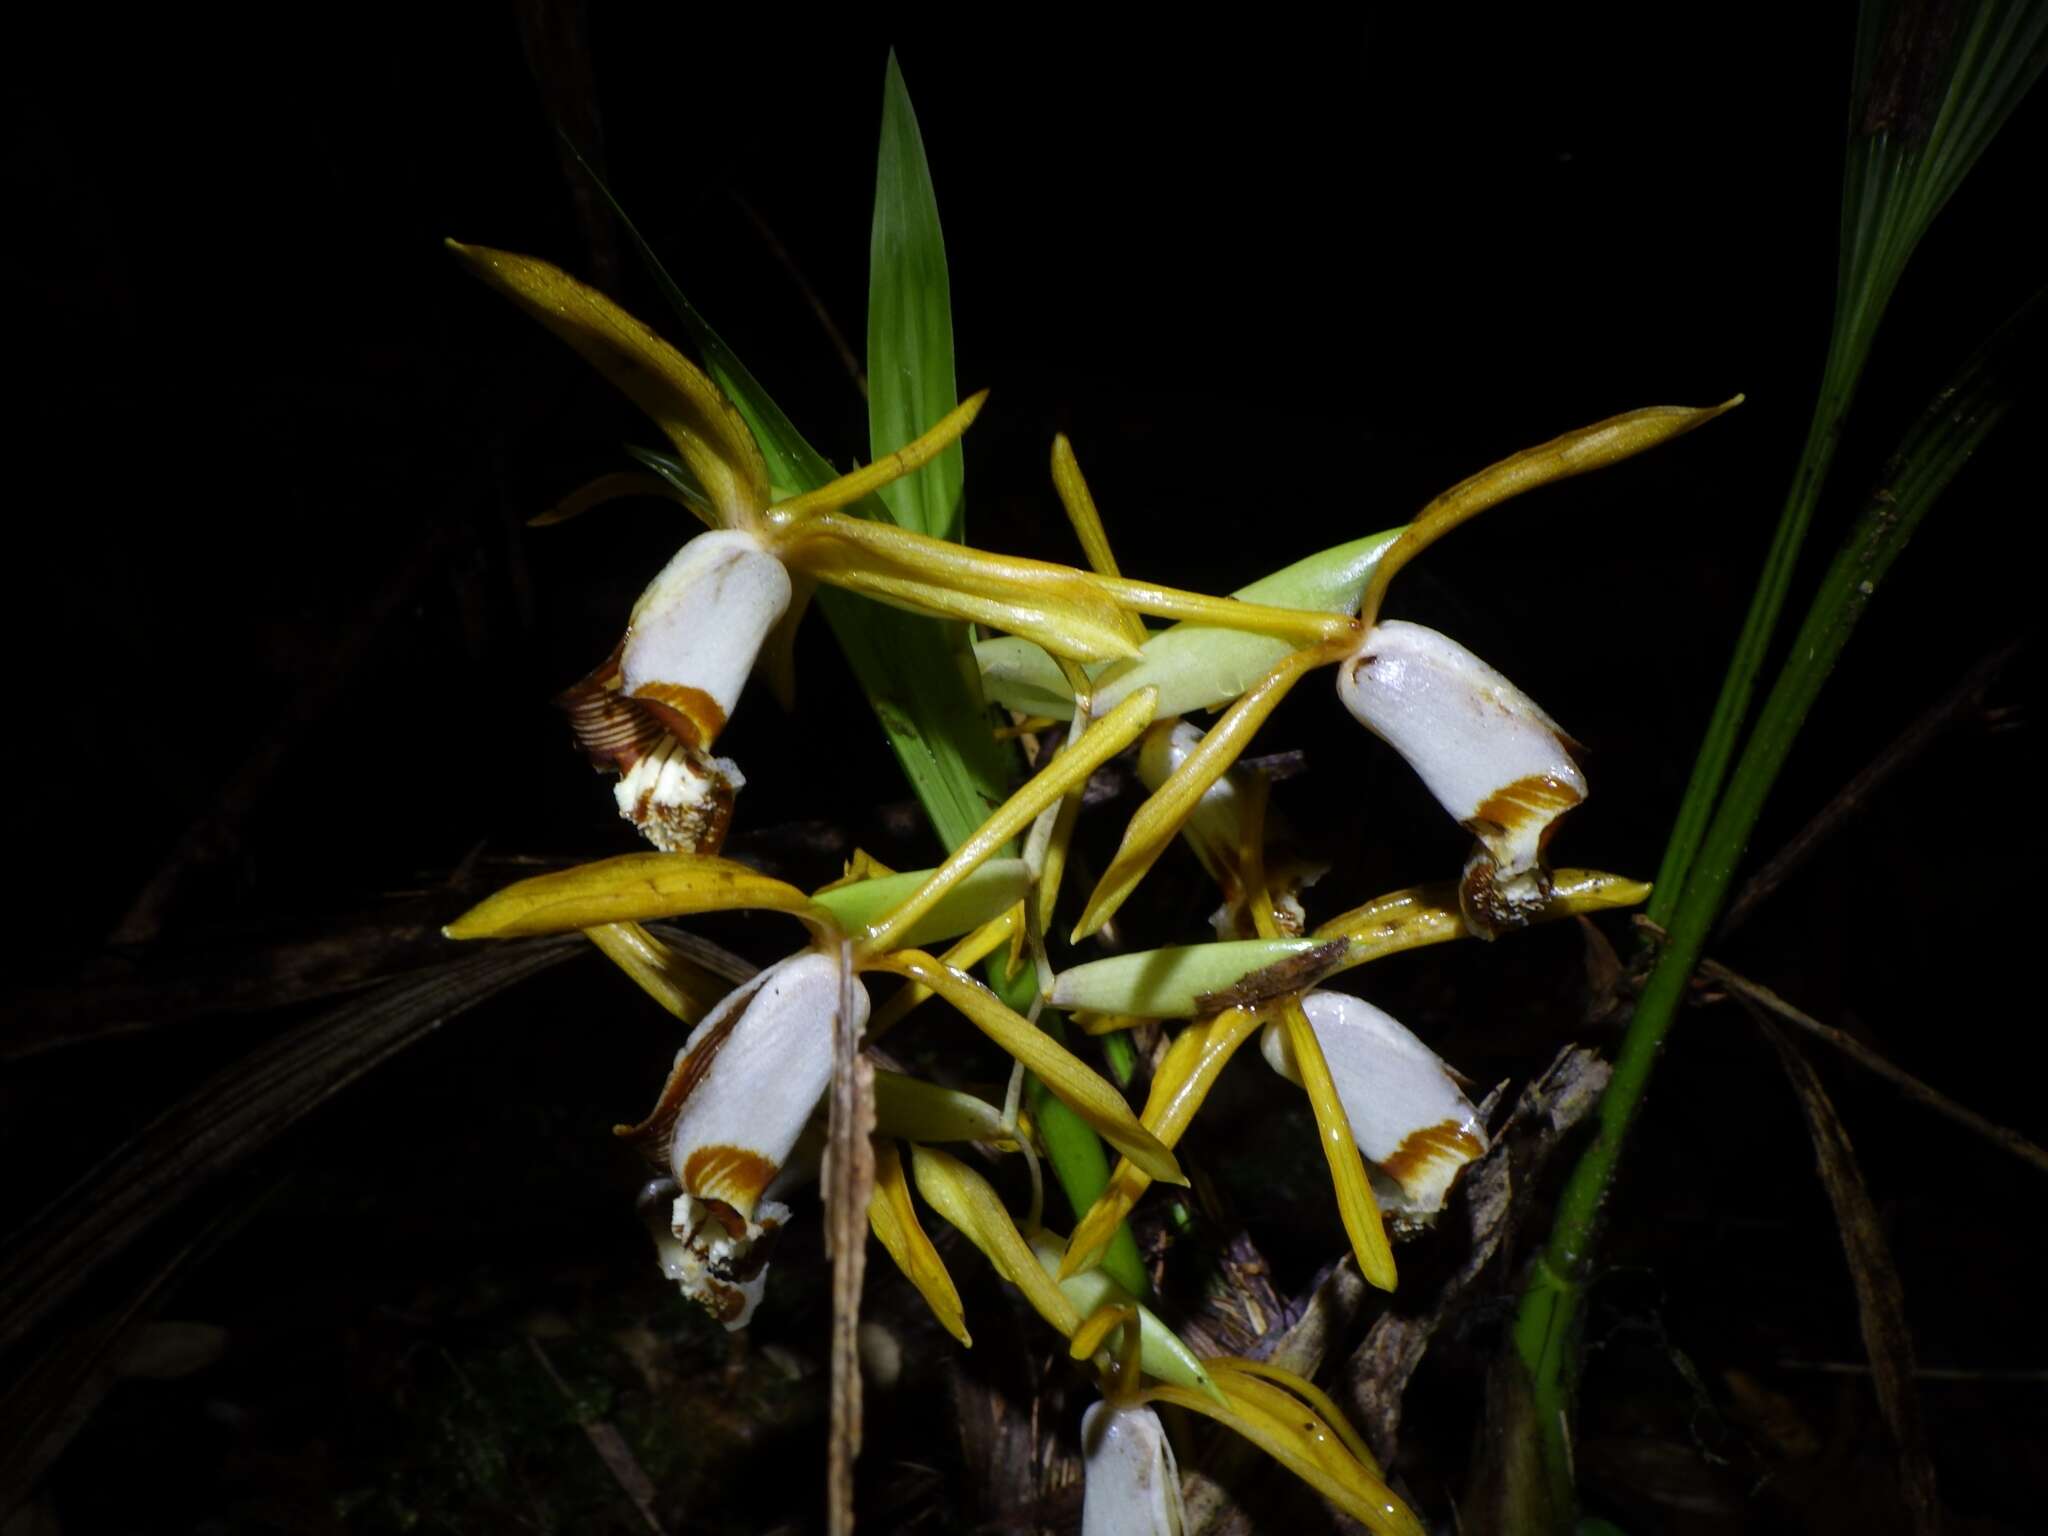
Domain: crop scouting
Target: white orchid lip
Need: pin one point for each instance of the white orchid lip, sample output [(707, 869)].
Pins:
[(1133, 1482), (1493, 759), (1408, 1115), (734, 1106), (697, 629)]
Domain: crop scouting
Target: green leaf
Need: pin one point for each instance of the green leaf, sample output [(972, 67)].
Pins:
[(1927, 102), (985, 894), (1950, 430), (1191, 979), (910, 322), (1194, 666)]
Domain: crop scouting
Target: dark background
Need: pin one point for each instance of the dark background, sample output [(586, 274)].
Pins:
[(1280, 284)]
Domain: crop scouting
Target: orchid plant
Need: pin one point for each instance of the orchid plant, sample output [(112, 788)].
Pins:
[(774, 1070)]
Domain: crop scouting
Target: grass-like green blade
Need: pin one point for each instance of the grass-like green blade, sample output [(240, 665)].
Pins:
[(910, 322), (1927, 101), (1948, 433)]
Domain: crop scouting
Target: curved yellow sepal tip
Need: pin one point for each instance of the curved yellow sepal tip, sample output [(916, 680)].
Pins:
[(894, 1221), (964, 1198), (869, 478), (1575, 453), (709, 435), (1294, 1435), (635, 887)]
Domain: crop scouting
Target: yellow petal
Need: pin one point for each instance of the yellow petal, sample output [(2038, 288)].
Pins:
[(965, 955), (1575, 453), (1087, 521), (709, 436), (1299, 1442), (1102, 741), (631, 888), (1158, 821), (1309, 1393), (1185, 1076), (680, 985), (1068, 1079), (1356, 1206), (893, 1219), (964, 1198), (865, 481), (1062, 609)]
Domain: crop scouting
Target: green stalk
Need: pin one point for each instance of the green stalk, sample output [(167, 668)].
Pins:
[(1901, 169), (1928, 99), (1950, 430)]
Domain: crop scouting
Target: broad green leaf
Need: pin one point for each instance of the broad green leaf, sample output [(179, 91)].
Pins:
[(1194, 666), (1193, 979), (910, 322), (987, 893)]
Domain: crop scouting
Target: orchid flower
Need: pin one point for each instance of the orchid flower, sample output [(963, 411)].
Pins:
[(753, 1070), (1494, 760), (652, 710), (1378, 1093)]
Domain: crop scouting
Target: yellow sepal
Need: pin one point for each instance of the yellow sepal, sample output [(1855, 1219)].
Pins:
[(1575, 453), (964, 1198), (1185, 1076), (1159, 820), (634, 887), (893, 1219), (868, 479), (709, 435), (1070, 769), (1064, 1074), (1064, 610), (680, 985)]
